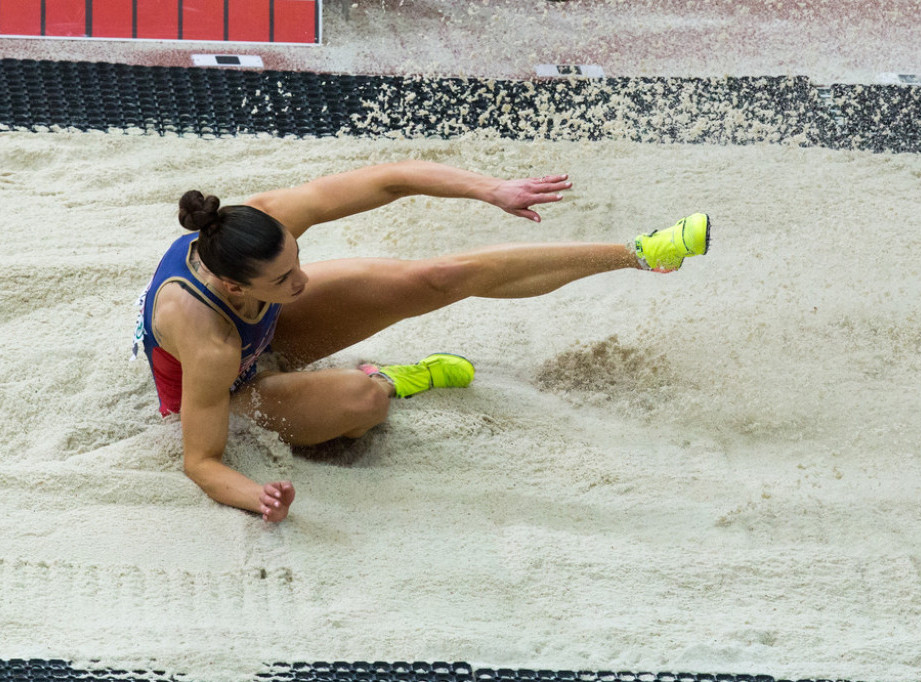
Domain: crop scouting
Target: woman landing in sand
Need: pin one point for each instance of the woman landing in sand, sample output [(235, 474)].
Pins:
[(224, 292)]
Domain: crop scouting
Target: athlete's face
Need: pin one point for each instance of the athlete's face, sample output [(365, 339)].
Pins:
[(281, 279)]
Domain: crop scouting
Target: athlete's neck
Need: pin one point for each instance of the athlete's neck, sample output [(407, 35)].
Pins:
[(243, 304)]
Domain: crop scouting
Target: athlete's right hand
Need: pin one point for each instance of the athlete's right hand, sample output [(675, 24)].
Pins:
[(275, 499)]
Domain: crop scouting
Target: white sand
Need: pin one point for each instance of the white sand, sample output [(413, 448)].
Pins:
[(715, 470)]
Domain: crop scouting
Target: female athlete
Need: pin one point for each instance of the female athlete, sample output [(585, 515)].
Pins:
[(235, 283)]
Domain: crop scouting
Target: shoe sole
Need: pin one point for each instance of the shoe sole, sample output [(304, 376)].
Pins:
[(707, 243)]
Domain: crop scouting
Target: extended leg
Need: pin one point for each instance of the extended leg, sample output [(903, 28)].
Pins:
[(349, 300)]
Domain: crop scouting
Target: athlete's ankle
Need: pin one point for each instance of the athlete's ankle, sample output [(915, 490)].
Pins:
[(378, 377), (634, 260), (385, 383)]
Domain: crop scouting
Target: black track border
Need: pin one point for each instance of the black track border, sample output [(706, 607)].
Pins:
[(213, 102), (35, 670)]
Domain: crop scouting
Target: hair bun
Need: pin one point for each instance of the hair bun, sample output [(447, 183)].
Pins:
[(198, 212)]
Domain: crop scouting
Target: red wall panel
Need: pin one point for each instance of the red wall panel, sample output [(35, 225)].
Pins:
[(203, 20), (295, 21), (158, 19), (248, 20), (112, 18), (291, 21), (21, 18), (65, 17)]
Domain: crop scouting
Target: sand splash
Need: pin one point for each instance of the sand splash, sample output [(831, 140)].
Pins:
[(715, 470)]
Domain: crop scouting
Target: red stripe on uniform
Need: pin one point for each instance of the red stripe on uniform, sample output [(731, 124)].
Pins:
[(167, 372)]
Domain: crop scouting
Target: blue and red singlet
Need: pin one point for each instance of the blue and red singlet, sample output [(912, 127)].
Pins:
[(255, 334)]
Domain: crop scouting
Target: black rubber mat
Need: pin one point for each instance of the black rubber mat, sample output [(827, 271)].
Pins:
[(43, 95), (34, 670)]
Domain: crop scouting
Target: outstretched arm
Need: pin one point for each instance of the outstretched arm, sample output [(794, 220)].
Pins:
[(337, 196)]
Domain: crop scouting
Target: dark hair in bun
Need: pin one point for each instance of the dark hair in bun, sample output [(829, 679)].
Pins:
[(233, 241)]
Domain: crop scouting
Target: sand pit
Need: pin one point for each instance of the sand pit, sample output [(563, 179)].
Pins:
[(715, 470)]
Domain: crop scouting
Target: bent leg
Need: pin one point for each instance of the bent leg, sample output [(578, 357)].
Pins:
[(346, 301), (306, 408)]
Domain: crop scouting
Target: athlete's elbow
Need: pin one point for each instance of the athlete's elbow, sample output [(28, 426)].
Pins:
[(401, 178), (206, 481), (193, 473), (199, 472)]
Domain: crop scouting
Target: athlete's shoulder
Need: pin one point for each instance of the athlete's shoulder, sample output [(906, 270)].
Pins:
[(185, 325)]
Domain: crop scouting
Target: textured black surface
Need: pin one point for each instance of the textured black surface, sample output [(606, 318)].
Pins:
[(378, 671), (41, 95)]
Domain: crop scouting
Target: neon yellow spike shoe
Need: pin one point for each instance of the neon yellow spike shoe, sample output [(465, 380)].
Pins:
[(440, 370), (665, 250)]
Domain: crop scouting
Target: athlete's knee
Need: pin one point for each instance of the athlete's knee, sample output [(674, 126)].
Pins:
[(447, 276), (362, 400)]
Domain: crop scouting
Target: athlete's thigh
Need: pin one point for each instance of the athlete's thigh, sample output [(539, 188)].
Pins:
[(305, 408), (348, 300)]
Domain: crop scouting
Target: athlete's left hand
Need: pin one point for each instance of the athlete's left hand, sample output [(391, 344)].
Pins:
[(517, 196)]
